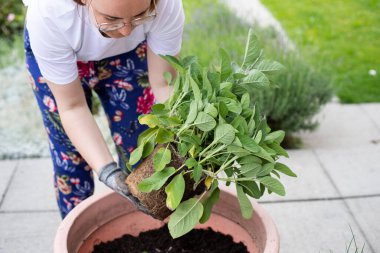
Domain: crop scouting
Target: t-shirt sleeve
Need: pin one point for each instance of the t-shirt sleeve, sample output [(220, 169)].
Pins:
[(55, 57), (165, 35)]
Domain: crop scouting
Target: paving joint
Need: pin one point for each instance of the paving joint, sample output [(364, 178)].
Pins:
[(319, 199), (344, 201), (28, 211), (370, 118), (9, 183)]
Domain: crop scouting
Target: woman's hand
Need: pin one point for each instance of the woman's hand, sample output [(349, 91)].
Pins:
[(112, 176)]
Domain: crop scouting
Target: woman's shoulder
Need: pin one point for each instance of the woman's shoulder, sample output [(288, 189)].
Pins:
[(53, 9)]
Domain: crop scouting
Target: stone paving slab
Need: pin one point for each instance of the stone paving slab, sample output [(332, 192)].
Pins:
[(366, 212), (318, 226), (354, 170), (28, 232), (7, 168), (32, 187), (373, 111), (341, 126), (311, 181)]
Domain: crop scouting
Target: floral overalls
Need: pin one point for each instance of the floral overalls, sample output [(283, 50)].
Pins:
[(121, 84)]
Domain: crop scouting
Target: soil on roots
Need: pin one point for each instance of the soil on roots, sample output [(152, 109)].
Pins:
[(155, 201)]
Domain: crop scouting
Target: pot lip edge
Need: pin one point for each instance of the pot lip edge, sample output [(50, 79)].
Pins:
[(62, 233), (60, 240)]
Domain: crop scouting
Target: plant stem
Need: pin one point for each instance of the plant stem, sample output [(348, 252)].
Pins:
[(225, 165), (212, 154)]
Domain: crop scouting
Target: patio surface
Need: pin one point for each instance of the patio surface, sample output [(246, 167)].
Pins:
[(338, 187)]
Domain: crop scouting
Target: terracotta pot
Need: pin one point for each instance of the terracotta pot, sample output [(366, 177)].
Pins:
[(107, 216)]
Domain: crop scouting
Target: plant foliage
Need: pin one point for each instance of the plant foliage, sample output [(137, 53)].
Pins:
[(210, 121)]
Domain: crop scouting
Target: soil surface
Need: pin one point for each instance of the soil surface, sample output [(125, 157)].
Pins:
[(159, 240)]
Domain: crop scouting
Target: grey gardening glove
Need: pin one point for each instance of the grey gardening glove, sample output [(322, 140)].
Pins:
[(112, 176)]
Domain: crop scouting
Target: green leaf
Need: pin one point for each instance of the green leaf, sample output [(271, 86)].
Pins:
[(156, 181), (136, 155), (237, 142), (197, 172), (149, 119), (190, 138), (185, 217), (214, 79), (188, 60), (223, 109), (238, 151), (168, 77), (196, 92), (269, 66), (245, 203), (174, 191), (252, 49), (211, 110), (249, 160), (232, 105), (266, 169), (174, 62), (205, 122), (273, 185), (159, 109), (276, 136), (193, 112), (278, 149), (245, 100), (183, 148), (264, 154), (146, 135), (148, 148), (167, 121), (284, 169), (164, 136), (191, 162), (224, 133), (208, 204), (161, 159), (225, 64), (255, 77), (250, 188), (249, 143), (196, 72), (250, 170), (252, 123), (240, 124), (258, 136), (207, 85)]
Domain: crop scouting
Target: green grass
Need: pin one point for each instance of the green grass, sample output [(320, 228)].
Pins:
[(346, 32), (207, 30), (11, 51)]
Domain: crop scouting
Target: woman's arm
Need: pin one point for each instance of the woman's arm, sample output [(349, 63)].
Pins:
[(80, 125), (156, 69)]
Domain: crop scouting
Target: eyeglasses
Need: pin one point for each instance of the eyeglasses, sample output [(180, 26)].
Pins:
[(109, 27)]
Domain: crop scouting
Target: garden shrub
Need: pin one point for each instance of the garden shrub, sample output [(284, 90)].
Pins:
[(12, 13), (299, 91)]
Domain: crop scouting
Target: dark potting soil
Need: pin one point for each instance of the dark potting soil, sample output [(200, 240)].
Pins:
[(160, 241)]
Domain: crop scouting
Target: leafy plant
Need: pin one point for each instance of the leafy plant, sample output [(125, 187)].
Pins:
[(300, 91), (209, 120)]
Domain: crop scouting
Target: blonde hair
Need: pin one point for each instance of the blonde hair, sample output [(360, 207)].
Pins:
[(153, 4)]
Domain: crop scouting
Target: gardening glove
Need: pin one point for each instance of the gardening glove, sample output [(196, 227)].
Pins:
[(112, 176)]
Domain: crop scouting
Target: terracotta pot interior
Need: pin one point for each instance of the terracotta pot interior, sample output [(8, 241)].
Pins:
[(100, 223)]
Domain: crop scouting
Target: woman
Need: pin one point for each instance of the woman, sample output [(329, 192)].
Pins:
[(74, 47)]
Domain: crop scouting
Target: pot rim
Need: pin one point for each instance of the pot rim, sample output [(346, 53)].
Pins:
[(60, 241)]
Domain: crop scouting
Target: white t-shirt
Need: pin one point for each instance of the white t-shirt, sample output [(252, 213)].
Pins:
[(61, 34)]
